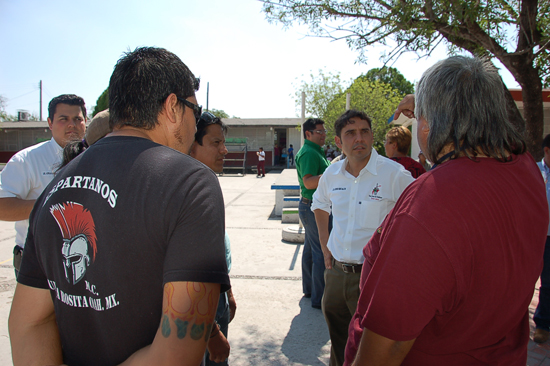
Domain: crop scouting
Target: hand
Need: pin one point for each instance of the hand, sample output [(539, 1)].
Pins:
[(232, 305), (218, 347), (406, 106), (328, 257)]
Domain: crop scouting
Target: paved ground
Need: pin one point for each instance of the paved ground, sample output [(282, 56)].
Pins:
[(274, 325)]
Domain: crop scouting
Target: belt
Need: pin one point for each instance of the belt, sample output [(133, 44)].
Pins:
[(347, 267), (307, 201)]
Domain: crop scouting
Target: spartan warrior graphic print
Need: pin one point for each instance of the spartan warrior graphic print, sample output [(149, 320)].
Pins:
[(79, 238)]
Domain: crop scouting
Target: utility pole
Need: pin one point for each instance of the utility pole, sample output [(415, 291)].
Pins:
[(207, 93), (40, 86)]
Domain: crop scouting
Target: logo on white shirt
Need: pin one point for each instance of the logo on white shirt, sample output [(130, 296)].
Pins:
[(374, 194)]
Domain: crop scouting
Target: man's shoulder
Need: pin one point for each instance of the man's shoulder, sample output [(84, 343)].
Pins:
[(333, 169), (34, 150), (390, 164)]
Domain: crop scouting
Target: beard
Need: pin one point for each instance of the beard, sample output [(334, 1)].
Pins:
[(182, 145)]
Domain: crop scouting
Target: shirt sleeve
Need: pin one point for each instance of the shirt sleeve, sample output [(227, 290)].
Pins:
[(15, 179), (411, 282), (196, 249), (321, 200), (401, 181), (31, 272), (310, 164)]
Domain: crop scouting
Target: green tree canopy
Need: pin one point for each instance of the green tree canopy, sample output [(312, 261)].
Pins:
[(515, 32), (374, 93), (220, 113), (377, 99), (322, 88), (392, 77), (102, 102)]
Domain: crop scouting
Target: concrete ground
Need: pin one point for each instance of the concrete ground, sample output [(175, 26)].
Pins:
[(274, 325)]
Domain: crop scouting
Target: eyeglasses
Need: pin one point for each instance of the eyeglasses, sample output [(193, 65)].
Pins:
[(320, 132), (197, 109)]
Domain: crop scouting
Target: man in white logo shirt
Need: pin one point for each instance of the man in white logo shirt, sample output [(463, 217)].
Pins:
[(30, 170), (359, 191)]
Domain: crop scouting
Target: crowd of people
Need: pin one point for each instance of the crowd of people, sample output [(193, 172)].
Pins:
[(121, 228)]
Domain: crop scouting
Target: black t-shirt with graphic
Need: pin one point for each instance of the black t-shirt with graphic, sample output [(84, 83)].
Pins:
[(124, 218)]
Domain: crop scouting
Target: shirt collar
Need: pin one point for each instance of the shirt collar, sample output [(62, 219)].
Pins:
[(546, 167), (314, 145), (370, 167)]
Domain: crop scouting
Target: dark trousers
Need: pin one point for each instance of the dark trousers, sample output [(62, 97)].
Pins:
[(542, 314), (313, 262), (261, 167)]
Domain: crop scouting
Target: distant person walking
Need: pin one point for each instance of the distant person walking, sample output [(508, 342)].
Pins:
[(291, 155), (261, 162)]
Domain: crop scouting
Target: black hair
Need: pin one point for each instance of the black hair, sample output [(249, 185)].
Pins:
[(69, 99), (206, 120), (141, 82), (344, 120), (546, 142), (310, 124)]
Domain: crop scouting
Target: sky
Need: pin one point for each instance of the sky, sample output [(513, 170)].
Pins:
[(253, 67)]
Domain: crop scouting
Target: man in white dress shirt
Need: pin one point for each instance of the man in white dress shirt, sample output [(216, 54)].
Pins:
[(359, 191), (30, 170)]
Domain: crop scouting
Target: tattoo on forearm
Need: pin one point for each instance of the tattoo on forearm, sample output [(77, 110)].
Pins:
[(200, 311)]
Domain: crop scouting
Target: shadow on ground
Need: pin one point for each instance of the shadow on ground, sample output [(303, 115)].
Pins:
[(308, 330)]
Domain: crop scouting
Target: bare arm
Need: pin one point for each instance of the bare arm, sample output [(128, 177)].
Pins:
[(218, 346), (188, 311), (406, 106), (32, 327), (322, 219), (15, 209), (311, 181), (232, 304), (376, 350)]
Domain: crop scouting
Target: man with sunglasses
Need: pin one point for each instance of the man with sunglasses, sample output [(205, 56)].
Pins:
[(124, 262), (310, 165), (209, 148)]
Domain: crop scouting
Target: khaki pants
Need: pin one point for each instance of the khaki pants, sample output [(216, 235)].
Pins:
[(339, 305)]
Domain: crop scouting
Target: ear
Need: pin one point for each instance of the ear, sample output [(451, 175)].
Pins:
[(50, 123), (338, 142), (171, 108), (546, 150)]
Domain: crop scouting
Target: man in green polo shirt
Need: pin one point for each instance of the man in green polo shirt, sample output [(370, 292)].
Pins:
[(310, 164)]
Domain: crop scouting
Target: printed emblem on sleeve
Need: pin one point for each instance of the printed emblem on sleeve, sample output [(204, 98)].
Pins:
[(79, 239)]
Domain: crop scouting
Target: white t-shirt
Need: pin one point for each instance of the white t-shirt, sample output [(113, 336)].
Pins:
[(26, 175), (358, 204), (261, 155)]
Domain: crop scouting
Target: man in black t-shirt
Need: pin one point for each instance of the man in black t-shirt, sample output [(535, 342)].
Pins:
[(125, 254)]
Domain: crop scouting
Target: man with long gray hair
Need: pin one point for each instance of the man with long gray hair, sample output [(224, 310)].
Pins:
[(449, 275)]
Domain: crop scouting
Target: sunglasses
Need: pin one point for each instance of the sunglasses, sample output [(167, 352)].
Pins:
[(197, 109), (208, 118)]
